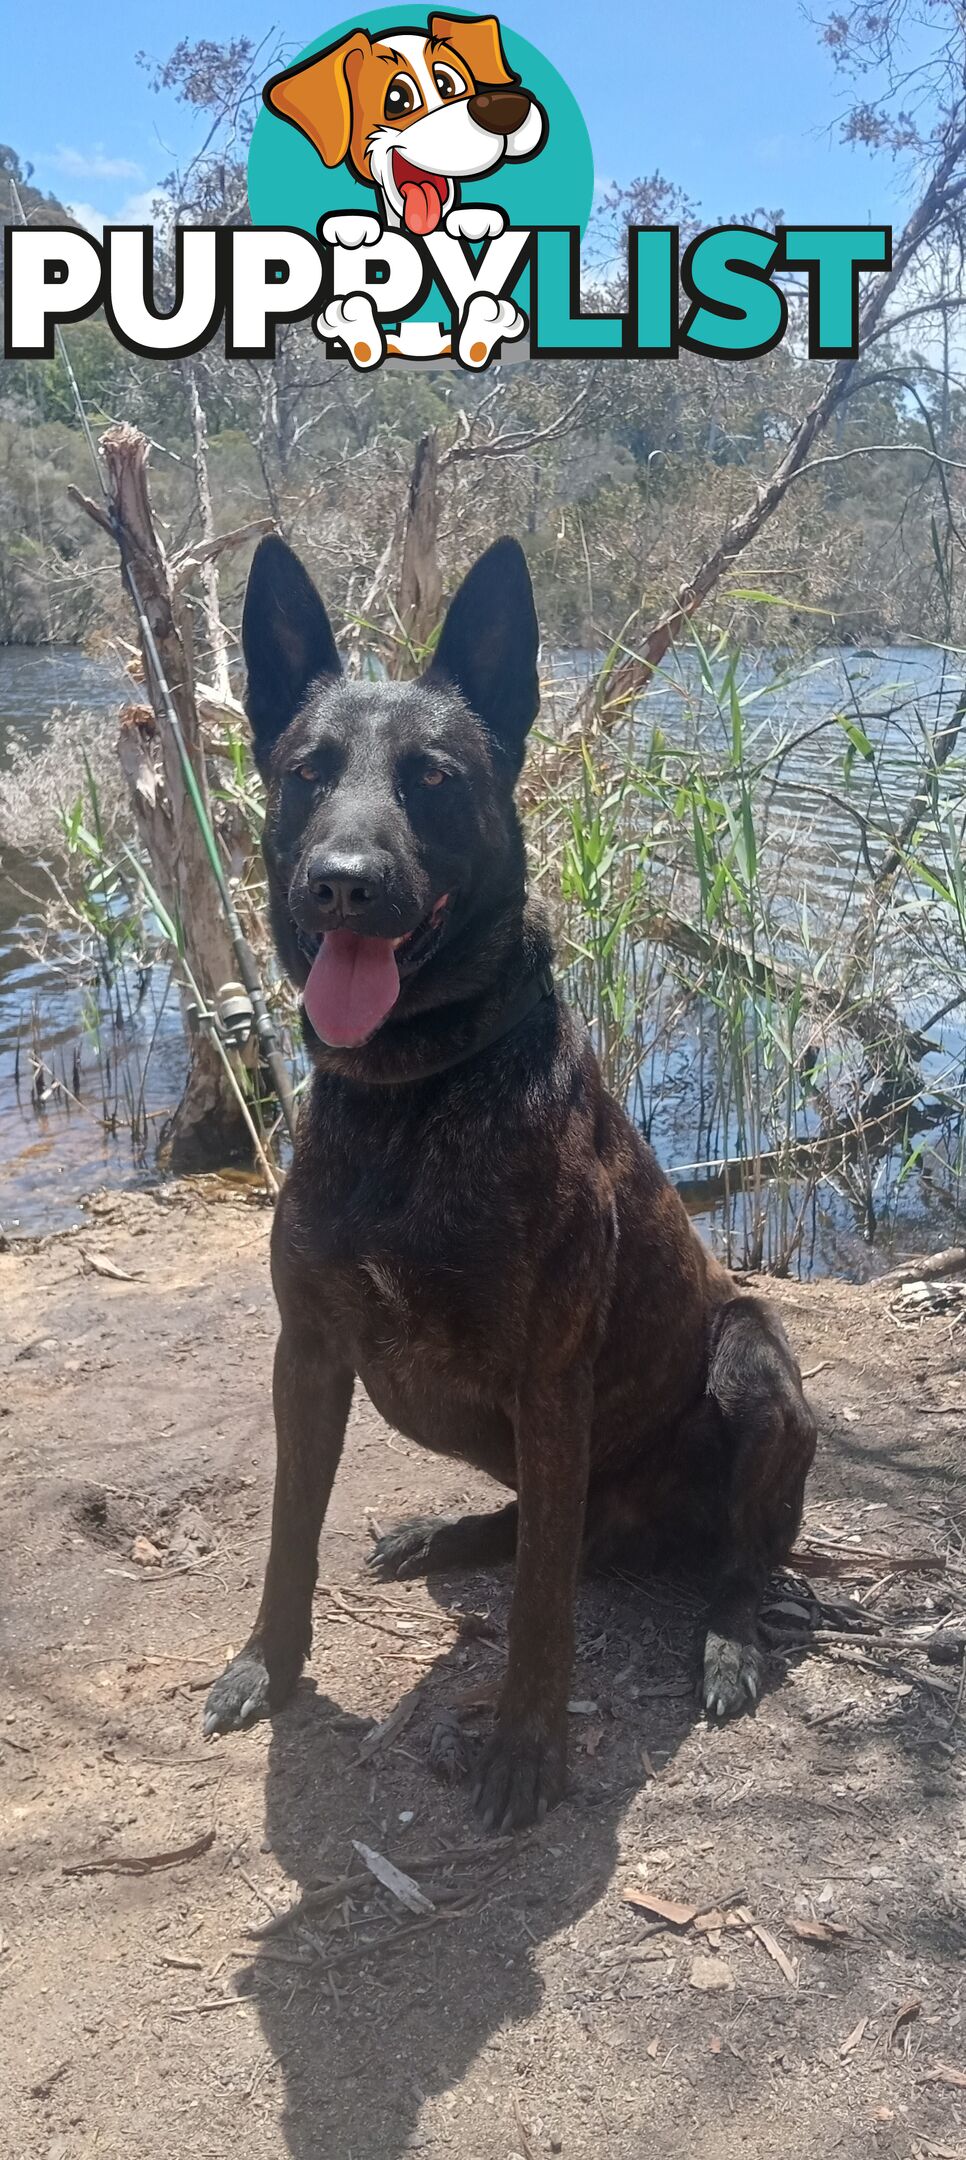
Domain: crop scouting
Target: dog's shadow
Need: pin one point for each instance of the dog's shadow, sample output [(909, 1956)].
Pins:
[(365, 2041)]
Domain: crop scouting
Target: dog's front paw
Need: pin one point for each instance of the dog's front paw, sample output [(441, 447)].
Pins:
[(353, 320), (239, 1696), (475, 221), (350, 229), (407, 1550), (487, 323), (520, 1776), (732, 1676), (251, 1687)]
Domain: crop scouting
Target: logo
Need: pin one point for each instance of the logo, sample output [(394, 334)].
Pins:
[(420, 185), (424, 149)]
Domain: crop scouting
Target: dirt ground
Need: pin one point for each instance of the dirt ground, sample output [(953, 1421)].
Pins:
[(532, 2008)]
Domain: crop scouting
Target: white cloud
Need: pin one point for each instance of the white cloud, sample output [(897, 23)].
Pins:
[(140, 209), (85, 214), (93, 165)]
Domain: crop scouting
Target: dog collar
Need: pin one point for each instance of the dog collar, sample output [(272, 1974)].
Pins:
[(530, 994)]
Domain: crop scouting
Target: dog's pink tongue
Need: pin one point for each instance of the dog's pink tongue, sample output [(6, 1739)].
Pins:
[(422, 206), (353, 983)]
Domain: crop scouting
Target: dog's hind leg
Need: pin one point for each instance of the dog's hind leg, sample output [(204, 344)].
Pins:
[(430, 1544), (769, 1434), (312, 1396)]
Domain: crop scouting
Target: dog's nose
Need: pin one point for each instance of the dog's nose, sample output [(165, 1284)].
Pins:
[(499, 111), (345, 883)]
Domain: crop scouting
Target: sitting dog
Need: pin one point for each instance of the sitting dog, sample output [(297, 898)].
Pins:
[(412, 114), (471, 1226)]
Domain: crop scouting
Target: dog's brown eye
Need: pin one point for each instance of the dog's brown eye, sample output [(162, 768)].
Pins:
[(308, 773), (433, 777), (447, 84), (402, 97)]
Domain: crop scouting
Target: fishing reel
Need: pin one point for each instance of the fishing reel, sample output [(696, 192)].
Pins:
[(235, 1013)]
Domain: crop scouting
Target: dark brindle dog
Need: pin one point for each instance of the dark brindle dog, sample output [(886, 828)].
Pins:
[(471, 1225)]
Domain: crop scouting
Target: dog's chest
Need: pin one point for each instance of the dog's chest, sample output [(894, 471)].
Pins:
[(415, 1328), (416, 1239)]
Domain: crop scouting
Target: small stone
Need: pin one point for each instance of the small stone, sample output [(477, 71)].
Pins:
[(192, 1533), (144, 1554), (37, 1348), (711, 1975)]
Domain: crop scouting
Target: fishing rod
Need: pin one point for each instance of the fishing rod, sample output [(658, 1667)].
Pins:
[(247, 965)]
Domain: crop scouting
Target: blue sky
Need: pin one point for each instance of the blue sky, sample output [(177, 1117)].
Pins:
[(734, 101)]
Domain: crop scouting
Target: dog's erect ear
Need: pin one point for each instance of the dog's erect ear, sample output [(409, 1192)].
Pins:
[(316, 96), (478, 43), (488, 647), (286, 638)]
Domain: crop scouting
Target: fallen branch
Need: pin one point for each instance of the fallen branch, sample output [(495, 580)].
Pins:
[(873, 1022), (342, 1886), (356, 1952), (143, 1863), (389, 1727), (200, 552), (950, 1262), (392, 1879), (859, 1560)]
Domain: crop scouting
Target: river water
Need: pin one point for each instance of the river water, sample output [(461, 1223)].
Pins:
[(65, 1033), (73, 1048)]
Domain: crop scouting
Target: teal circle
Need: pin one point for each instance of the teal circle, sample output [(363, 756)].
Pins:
[(289, 185)]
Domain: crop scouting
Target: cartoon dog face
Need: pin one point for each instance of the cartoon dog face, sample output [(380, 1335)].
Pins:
[(413, 112)]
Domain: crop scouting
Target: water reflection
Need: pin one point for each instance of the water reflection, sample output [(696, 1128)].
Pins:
[(67, 1030)]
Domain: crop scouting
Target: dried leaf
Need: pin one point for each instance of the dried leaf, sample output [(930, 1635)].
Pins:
[(852, 2039), (97, 1264), (819, 1931), (711, 1923), (907, 2012), (146, 1553), (940, 2073), (658, 1908), (768, 1942)]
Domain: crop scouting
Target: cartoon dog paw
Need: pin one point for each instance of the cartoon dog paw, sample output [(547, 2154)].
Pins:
[(486, 322), (475, 221), (354, 322), (350, 229)]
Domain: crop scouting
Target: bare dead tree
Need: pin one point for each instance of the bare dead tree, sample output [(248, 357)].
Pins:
[(421, 579), (208, 1127), (623, 681), (215, 630)]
